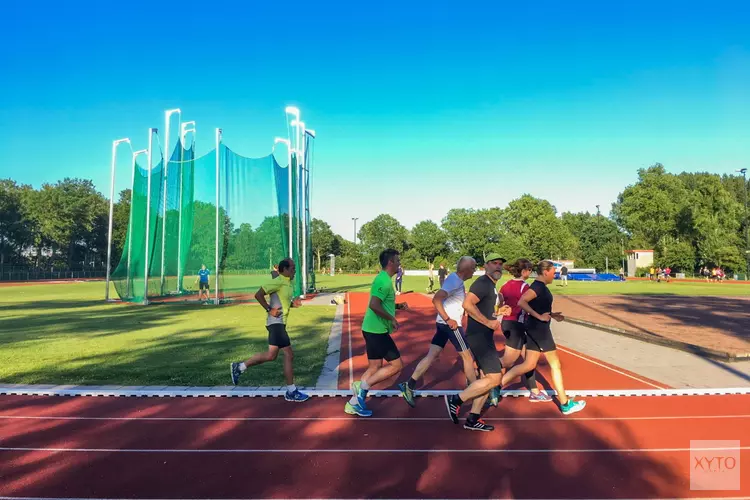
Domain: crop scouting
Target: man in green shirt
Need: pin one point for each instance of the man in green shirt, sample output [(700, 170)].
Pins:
[(280, 291), (379, 322)]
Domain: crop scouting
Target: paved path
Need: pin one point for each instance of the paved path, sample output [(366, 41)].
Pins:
[(670, 366)]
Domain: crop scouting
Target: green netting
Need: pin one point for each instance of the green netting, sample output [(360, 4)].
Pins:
[(252, 226)]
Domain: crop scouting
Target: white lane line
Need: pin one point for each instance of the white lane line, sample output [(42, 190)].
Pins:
[(608, 367)]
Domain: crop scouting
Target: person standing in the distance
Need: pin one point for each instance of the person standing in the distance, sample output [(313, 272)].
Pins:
[(203, 276), (537, 303), (449, 303), (480, 329), (564, 275), (399, 279), (431, 277), (379, 323), (514, 325), (442, 273), (280, 291)]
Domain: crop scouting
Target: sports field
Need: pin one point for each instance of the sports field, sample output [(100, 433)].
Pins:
[(67, 334)]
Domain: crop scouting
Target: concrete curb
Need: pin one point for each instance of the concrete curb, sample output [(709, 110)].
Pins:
[(674, 344), (329, 375)]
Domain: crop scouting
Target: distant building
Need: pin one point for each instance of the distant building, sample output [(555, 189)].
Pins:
[(639, 258)]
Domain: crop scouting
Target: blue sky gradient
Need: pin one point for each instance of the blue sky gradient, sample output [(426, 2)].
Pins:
[(418, 107)]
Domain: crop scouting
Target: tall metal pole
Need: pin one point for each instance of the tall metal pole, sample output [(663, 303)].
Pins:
[(288, 144), (355, 229), (130, 219), (301, 201), (150, 153), (111, 209), (743, 171), (167, 115), (216, 263), (183, 132)]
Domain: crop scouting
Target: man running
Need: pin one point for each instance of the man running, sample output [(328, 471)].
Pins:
[(379, 322), (480, 305), (280, 290), (449, 302)]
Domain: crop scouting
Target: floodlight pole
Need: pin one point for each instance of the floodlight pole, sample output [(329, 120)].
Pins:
[(216, 263), (112, 208), (743, 171), (167, 115), (130, 217), (302, 203), (289, 167), (150, 154), (184, 130)]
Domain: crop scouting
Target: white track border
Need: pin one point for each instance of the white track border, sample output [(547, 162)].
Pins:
[(244, 392)]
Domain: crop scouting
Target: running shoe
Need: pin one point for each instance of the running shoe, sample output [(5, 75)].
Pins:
[(539, 397), (494, 398), (357, 410), (296, 396), (572, 407), (408, 394), (234, 369), (453, 407), (478, 425), (357, 391)]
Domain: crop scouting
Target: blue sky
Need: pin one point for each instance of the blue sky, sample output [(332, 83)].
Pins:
[(418, 107)]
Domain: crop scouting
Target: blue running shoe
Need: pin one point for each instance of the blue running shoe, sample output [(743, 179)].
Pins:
[(296, 396), (494, 398), (408, 394), (359, 393), (357, 410), (234, 369)]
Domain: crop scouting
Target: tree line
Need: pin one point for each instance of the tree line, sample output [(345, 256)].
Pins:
[(689, 219)]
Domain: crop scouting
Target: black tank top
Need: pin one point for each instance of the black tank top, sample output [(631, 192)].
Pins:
[(543, 301)]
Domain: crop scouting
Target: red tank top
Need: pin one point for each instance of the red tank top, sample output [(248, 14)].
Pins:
[(512, 291)]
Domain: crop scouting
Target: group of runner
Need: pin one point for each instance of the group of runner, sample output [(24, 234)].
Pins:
[(522, 311)]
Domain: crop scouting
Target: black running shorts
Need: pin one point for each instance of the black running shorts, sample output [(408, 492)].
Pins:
[(381, 346), (539, 337), (482, 345), (443, 334), (515, 334), (277, 335)]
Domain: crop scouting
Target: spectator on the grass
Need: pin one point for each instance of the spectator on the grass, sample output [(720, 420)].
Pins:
[(622, 273), (399, 279), (651, 273), (442, 273), (431, 276), (667, 273), (564, 275)]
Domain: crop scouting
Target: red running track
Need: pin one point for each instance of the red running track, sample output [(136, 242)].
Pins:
[(417, 326), (626, 447)]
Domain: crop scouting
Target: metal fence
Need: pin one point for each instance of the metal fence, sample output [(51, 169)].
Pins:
[(20, 274)]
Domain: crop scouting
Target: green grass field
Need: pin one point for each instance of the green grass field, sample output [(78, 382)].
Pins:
[(419, 284), (66, 334)]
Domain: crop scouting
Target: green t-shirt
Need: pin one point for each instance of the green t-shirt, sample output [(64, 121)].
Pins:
[(280, 291), (382, 288)]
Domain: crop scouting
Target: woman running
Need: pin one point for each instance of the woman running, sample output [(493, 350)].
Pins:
[(514, 325), (536, 301)]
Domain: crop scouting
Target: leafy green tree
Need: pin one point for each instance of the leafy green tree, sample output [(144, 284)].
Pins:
[(429, 240)]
